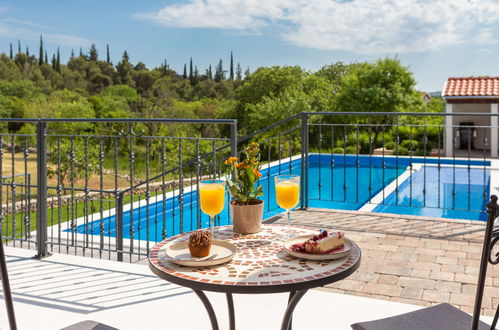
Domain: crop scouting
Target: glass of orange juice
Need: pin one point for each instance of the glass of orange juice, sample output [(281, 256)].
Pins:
[(212, 198), (287, 192)]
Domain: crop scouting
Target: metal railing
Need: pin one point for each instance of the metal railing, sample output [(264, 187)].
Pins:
[(90, 173), (111, 188)]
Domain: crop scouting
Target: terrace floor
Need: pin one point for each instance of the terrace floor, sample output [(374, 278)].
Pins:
[(415, 260), (407, 262)]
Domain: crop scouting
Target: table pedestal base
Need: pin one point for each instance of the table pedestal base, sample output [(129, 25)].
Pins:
[(294, 298)]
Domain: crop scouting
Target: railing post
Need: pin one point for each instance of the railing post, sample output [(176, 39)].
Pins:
[(233, 139), (41, 192), (119, 225), (488, 244), (304, 162)]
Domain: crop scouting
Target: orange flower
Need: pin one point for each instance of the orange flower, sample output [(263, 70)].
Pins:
[(257, 173), (230, 160), (239, 165)]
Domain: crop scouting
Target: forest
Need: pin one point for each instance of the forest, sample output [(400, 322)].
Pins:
[(35, 85)]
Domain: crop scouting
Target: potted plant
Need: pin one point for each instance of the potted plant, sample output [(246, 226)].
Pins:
[(246, 209)]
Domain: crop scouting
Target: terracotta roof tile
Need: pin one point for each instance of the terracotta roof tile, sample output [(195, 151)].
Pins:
[(471, 86)]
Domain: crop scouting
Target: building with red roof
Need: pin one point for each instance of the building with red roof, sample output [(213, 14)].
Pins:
[(471, 96)]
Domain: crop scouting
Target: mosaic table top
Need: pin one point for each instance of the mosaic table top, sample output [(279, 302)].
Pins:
[(259, 265)]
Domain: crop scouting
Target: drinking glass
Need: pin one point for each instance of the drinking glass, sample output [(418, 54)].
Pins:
[(212, 199), (287, 192)]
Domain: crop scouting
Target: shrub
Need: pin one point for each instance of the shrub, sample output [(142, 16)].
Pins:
[(351, 150), (402, 151), (338, 150), (407, 144), (390, 145)]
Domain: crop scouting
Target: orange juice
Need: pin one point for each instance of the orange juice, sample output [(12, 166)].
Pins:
[(211, 197), (287, 194)]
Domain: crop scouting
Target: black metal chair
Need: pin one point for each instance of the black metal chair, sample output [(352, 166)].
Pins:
[(445, 316), (84, 325)]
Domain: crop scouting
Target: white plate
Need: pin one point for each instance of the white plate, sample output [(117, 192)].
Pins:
[(300, 239), (220, 252)]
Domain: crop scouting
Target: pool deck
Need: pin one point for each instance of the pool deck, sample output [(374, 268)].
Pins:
[(416, 260)]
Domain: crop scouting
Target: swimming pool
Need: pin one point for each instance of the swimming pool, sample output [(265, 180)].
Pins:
[(337, 182)]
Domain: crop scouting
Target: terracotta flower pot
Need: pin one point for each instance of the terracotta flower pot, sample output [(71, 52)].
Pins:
[(247, 219)]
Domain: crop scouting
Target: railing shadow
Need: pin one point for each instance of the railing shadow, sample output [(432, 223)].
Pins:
[(83, 289)]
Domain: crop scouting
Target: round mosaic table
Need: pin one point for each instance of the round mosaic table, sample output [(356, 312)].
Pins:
[(260, 265)]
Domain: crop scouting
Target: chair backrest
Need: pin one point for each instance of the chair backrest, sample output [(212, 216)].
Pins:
[(6, 287), (490, 239)]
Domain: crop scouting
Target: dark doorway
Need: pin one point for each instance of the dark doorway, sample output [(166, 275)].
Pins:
[(466, 135)]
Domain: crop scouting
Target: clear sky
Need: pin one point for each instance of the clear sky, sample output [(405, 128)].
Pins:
[(434, 38)]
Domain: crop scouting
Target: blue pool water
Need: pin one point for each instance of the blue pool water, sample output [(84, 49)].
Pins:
[(450, 193), (338, 182)]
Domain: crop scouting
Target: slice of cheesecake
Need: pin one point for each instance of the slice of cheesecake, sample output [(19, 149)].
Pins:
[(323, 243)]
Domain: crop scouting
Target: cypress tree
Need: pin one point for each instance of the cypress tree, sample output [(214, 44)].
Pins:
[(54, 61), (190, 70), (27, 51), (93, 54), (219, 72), (231, 67), (196, 74), (18, 46), (108, 57), (239, 72), (125, 56), (247, 72), (58, 61), (81, 52), (46, 58), (11, 53), (210, 73), (40, 56), (72, 54), (185, 71)]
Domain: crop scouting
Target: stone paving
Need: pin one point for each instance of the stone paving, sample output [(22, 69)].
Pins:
[(415, 260)]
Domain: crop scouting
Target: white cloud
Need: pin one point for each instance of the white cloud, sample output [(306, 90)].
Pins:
[(362, 26), (485, 37)]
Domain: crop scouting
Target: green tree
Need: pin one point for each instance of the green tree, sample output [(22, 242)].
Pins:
[(336, 72), (93, 54), (27, 51), (209, 74), (124, 70), (191, 72), (219, 72), (239, 72), (40, 56), (46, 58), (11, 55), (58, 61), (108, 57), (54, 62), (72, 54), (195, 76), (384, 86), (185, 71), (270, 94), (18, 46), (231, 73)]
